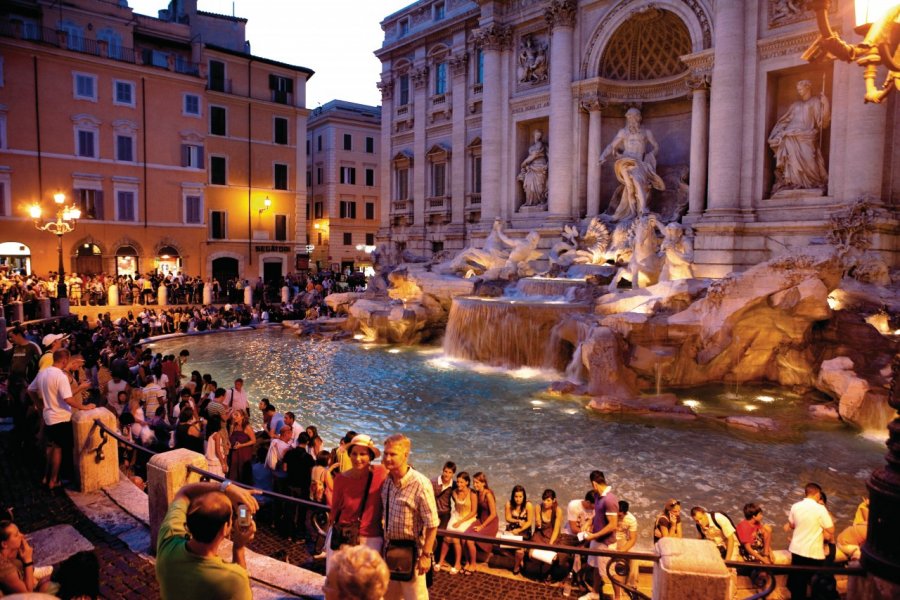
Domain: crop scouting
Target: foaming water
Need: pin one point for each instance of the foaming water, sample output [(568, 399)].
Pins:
[(507, 427)]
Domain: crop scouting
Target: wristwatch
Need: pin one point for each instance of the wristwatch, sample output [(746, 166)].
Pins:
[(224, 486)]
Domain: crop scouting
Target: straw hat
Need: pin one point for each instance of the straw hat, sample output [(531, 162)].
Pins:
[(366, 442)]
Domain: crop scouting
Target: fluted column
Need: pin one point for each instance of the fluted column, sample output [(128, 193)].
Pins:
[(386, 86), (457, 182), (560, 16), (493, 40), (419, 181), (594, 109), (699, 145), (726, 111)]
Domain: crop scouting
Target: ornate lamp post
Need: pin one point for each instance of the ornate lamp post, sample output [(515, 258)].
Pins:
[(66, 217), (879, 22)]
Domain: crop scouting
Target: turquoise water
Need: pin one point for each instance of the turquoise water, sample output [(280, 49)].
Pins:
[(504, 424)]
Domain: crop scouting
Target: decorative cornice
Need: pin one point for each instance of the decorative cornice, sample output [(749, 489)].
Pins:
[(493, 37), (794, 43), (561, 13), (630, 92), (459, 64), (419, 76), (386, 87), (700, 82), (700, 65)]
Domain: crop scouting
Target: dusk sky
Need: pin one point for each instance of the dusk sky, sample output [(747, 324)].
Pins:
[(334, 38)]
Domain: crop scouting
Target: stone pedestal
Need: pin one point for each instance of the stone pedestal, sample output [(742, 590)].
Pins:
[(112, 295), (248, 296), (162, 295), (44, 308), (166, 474), (690, 569), (94, 474), (16, 311), (207, 294)]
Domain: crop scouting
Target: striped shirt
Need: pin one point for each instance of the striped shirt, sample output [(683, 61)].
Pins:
[(409, 507)]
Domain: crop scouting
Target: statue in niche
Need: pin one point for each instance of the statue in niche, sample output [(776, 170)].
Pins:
[(796, 141), (533, 174), (635, 149), (678, 250), (532, 61)]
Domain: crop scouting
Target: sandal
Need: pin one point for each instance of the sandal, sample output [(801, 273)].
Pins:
[(467, 571), (453, 570)]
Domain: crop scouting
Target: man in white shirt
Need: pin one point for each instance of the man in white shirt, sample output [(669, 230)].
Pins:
[(52, 393), (812, 525), (236, 399), (717, 528)]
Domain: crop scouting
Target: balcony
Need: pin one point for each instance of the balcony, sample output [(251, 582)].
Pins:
[(60, 39), (402, 212), (438, 209), (473, 207)]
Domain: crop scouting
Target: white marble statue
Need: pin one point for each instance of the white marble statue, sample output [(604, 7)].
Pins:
[(645, 264), (635, 150), (522, 252), (678, 250), (492, 256), (533, 67), (796, 141), (533, 174)]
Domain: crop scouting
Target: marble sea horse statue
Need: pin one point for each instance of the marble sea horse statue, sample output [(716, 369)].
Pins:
[(644, 266)]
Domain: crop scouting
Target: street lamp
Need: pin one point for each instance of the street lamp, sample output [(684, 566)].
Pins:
[(66, 217), (266, 204), (877, 21)]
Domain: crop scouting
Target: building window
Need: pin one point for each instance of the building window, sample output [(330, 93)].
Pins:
[(218, 119), (437, 247), (193, 208), (476, 174), (125, 148), (319, 175), (403, 27), (192, 156), (309, 179), (440, 78), (126, 210), (348, 141), (438, 179), (402, 184), (216, 79), (479, 66), (319, 240), (218, 224), (218, 170), (123, 93), (90, 202), (3, 130), (370, 212), (348, 238), (370, 177), (85, 86), (404, 90), (191, 105), (281, 228), (370, 239), (74, 37), (439, 12), (348, 175), (281, 176), (319, 211), (281, 131), (318, 143), (370, 145), (282, 89), (113, 42), (86, 143), (5, 204), (348, 209)]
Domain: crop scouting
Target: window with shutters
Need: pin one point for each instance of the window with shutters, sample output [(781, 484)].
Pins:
[(125, 148), (318, 210), (218, 119), (348, 238), (192, 156), (217, 76), (85, 86), (281, 131), (218, 224), (123, 93), (281, 176), (90, 202), (193, 209), (348, 209), (370, 145), (218, 174), (5, 204), (370, 177), (191, 105), (280, 228), (126, 208), (348, 175), (282, 89), (370, 211), (348, 141), (87, 143)]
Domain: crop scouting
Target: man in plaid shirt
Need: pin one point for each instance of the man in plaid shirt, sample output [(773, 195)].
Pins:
[(410, 514)]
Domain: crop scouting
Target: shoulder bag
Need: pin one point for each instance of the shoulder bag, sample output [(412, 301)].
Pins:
[(347, 534), (401, 556)]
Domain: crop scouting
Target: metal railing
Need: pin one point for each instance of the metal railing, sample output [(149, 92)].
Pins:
[(761, 575), (59, 39)]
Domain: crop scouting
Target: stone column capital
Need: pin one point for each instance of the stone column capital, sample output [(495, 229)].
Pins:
[(595, 104), (699, 81), (419, 76), (493, 37), (386, 87), (459, 64), (561, 13)]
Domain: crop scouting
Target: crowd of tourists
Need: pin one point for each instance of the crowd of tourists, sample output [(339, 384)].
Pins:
[(51, 369)]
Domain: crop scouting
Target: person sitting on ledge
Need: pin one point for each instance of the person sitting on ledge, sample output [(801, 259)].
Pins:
[(16, 562), (199, 519)]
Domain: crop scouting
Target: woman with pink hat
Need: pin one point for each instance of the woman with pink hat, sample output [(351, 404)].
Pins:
[(356, 503)]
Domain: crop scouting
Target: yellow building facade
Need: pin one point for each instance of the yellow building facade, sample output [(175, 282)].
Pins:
[(179, 147)]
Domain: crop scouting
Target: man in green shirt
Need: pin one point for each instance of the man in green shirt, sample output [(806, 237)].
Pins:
[(200, 517)]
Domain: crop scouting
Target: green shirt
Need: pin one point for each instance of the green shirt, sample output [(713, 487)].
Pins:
[(182, 574)]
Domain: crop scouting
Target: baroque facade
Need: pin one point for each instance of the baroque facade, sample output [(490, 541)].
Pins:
[(342, 179), (182, 149), (500, 109)]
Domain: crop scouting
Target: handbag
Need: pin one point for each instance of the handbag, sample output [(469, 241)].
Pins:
[(347, 534), (401, 556)]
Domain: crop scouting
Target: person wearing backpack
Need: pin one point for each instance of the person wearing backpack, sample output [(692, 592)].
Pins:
[(718, 528)]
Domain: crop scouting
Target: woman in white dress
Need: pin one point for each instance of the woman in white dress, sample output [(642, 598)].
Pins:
[(463, 510), (217, 446)]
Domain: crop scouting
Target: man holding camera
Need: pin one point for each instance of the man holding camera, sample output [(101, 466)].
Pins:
[(200, 517)]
